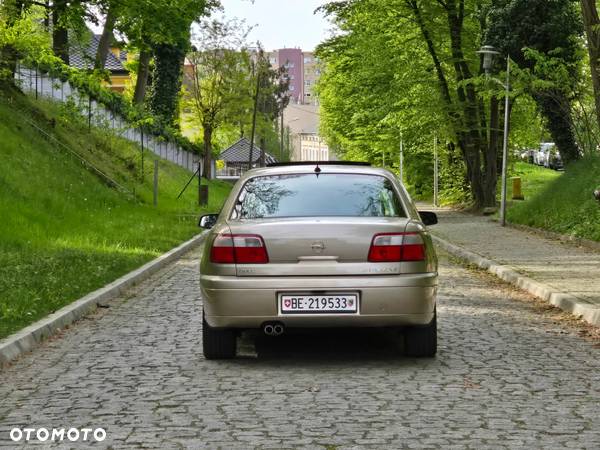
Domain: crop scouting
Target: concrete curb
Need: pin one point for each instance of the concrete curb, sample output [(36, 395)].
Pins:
[(30, 337), (567, 302)]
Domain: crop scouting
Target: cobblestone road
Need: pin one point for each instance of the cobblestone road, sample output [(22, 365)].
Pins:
[(506, 376)]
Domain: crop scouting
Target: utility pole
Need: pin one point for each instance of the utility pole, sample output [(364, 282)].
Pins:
[(155, 190), (505, 144), (435, 172), (401, 159), (281, 143), (142, 144)]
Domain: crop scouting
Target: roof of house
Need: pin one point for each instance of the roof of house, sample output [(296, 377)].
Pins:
[(83, 56), (240, 152)]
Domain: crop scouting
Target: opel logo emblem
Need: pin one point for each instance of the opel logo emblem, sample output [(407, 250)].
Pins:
[(318, 247)]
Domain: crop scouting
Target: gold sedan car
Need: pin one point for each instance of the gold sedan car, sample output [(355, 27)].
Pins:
[(311, 245)]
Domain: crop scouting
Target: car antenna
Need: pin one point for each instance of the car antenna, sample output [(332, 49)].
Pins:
[(317, 169)]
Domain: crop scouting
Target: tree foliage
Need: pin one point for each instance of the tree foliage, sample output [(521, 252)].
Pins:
[(544, 37), (411, 67), (220, 81)]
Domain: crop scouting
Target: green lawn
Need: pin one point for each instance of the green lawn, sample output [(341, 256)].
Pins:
[(533, 178), (64, 231), (557, 201)]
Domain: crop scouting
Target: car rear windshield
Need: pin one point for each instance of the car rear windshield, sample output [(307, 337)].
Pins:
[(309, 195)]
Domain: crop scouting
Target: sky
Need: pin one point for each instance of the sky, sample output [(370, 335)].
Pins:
[(281, 23)]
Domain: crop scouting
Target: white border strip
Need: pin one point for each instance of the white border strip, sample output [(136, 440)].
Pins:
[(31, 336), (567, 302)]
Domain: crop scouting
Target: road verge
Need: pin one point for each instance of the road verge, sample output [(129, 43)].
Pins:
[(31, 336)]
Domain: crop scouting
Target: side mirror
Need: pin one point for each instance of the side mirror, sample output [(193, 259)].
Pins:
[(208, 221), (428, 218)]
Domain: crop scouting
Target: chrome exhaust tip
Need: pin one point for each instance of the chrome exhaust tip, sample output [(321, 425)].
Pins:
[(273, 329)]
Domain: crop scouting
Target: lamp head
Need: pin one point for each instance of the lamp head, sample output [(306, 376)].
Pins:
[(489, 53)]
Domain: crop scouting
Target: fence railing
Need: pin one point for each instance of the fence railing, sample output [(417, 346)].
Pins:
[(39, 84)]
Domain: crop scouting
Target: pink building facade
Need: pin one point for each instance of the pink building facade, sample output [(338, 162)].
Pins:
[(293, 60)]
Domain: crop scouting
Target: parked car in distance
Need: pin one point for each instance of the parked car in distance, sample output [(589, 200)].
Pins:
[(528, 155), (318, 245)]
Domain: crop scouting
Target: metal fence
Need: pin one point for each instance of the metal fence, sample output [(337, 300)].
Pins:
[(41, 85)]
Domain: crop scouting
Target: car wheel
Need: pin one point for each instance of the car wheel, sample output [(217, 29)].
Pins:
[(422, 341), (216, 343)]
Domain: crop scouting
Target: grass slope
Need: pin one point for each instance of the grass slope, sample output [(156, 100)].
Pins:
[(560, 202), (64, 230)]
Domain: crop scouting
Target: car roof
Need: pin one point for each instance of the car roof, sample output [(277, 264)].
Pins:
[(324, 169)]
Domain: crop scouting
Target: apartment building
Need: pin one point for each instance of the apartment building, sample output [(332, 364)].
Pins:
[(303, 70)]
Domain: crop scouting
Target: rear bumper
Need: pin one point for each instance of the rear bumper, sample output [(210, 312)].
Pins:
[(248, 302)]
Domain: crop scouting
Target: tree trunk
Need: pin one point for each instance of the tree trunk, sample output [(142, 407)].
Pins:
[(60, 33), (166, 82), (492, 153), (262, 151), (592, 30), (105, 38), (466, 112), (557, 109), (8, 54), (208, 131), (142, 77), (475, 142), (47, 15)]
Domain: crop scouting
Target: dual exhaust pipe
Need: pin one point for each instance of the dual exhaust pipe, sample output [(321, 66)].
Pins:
[(273, 329)]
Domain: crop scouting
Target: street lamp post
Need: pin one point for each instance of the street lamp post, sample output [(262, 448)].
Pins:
[(489, 53), (401, 158)]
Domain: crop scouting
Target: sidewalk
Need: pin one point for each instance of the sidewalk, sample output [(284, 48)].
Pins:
[(560, 273)]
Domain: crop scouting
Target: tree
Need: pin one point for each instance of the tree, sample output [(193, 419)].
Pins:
[(22, 37), (592, 30), (160, 29), (550, 31), (111, 11), (411, 61), (169, 49), (272, 98), (411, 66), (10, 13), (220, 80)]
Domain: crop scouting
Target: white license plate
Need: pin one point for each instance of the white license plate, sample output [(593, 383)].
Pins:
[(318, 303)]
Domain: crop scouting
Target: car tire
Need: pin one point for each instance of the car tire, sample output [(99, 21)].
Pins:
[(421, 341), (217, 343)]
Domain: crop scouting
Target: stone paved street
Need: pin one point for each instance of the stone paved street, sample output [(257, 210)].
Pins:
[(506, 375)]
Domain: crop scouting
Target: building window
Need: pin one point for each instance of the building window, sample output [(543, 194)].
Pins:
[(291, 77), (272, 60), (292, 88), (307, 59), (307, 82)]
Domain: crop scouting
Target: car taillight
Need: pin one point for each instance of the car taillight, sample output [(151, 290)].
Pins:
[(239, 249), (397, 247)]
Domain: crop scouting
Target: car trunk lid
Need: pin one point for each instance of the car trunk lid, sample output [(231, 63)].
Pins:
[(318, 246)]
